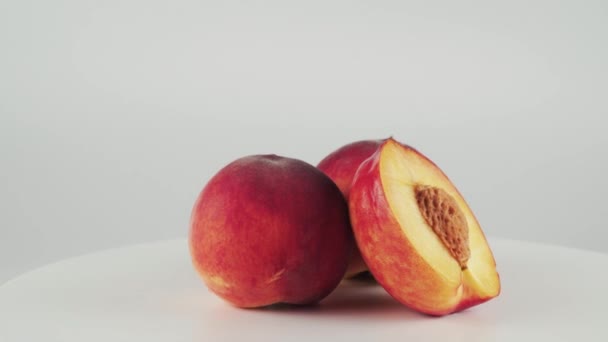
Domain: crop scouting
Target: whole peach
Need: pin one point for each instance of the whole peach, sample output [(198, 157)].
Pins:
[(268, 229), (341, 166)]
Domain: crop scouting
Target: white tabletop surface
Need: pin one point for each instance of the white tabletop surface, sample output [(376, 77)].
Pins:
[(149, 292)]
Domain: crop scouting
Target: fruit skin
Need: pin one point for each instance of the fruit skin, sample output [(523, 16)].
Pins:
[(341, 166), (268, 229), (391, 257)]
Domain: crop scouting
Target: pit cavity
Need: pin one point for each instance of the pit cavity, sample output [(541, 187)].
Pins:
[(443, 215)]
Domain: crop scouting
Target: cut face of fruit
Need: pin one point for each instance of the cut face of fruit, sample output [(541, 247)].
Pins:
[(438, 260)]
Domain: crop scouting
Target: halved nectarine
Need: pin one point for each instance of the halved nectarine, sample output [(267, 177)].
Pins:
[(417, 234)]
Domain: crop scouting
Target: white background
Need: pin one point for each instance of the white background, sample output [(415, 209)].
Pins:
[(114, 114)]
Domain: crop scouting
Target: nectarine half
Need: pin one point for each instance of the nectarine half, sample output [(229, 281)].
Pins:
[(417, 234)]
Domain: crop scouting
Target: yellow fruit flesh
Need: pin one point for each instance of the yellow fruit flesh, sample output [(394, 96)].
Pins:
[(402, 169)]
